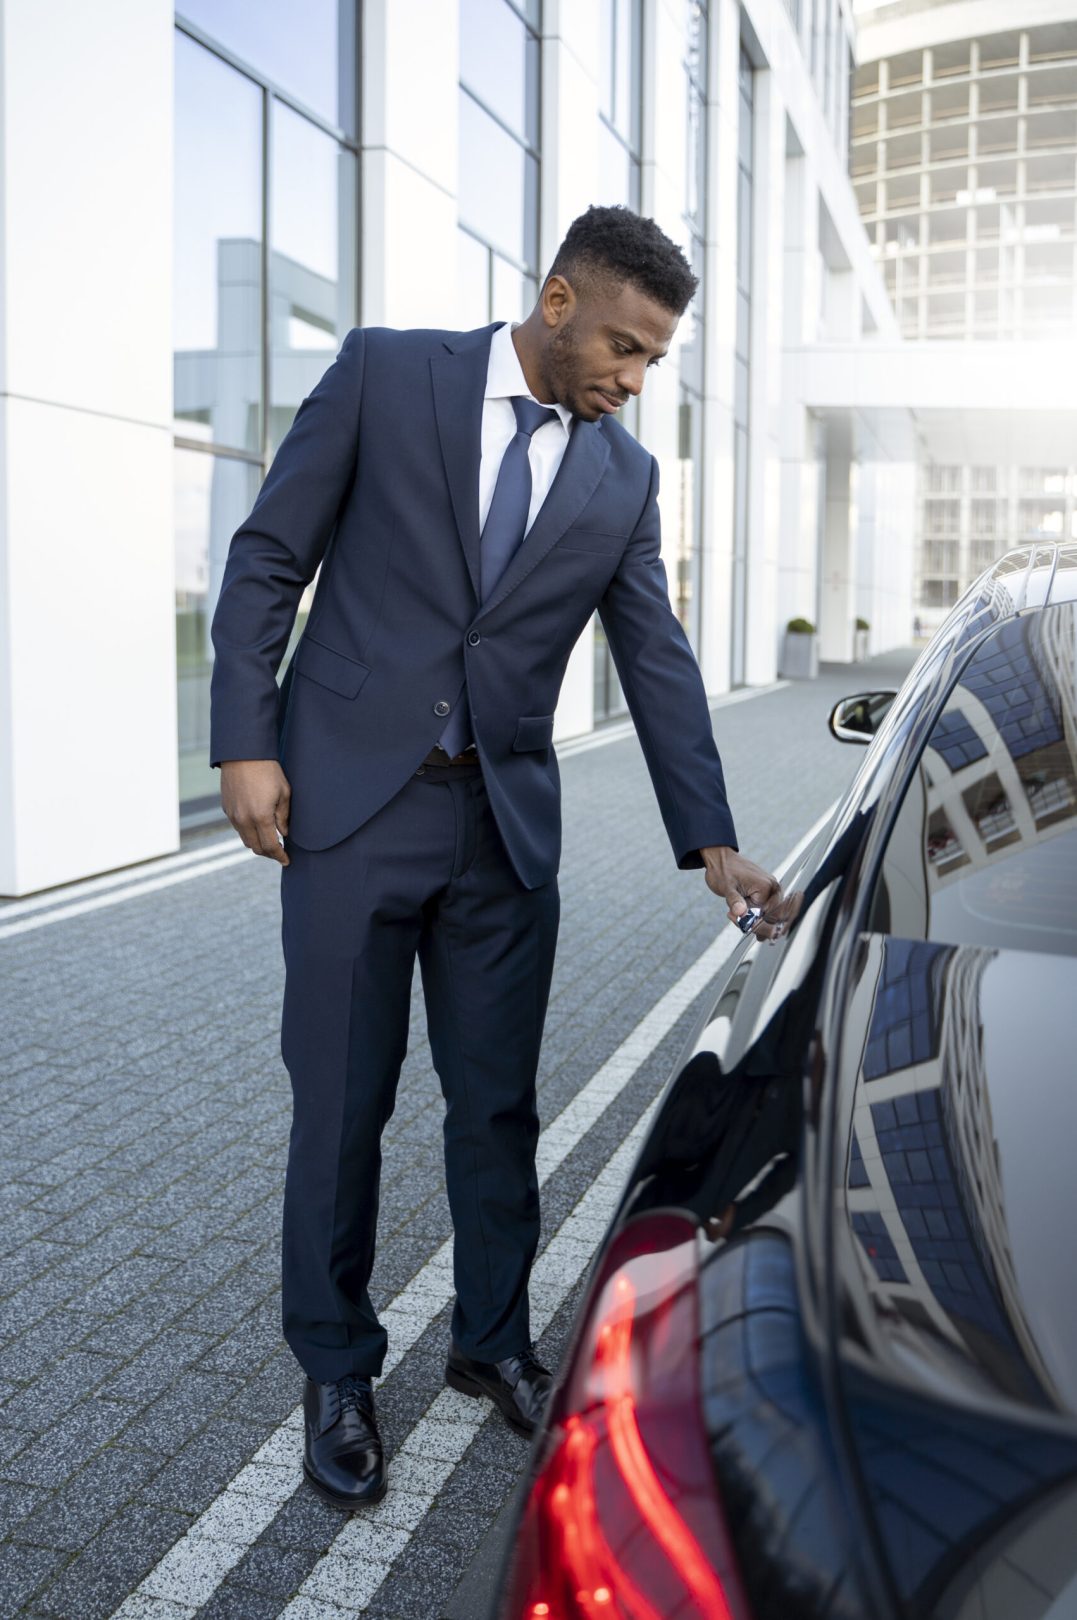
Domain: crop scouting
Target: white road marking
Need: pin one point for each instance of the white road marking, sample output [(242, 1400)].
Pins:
[(190, 1572), (79, 908), (113, 880)]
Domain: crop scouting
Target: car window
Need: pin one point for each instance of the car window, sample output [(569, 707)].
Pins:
[(984, 848)]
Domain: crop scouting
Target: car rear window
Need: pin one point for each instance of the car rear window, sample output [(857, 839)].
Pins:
[(984, 849)]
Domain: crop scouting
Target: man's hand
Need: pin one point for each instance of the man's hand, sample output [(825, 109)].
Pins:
[(738, 881), (256, 799)]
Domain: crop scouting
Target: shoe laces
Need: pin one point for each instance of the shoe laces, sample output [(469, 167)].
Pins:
[(355, 1393), (529, 1361)]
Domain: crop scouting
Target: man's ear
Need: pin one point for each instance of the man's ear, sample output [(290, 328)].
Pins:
[(558, 301)]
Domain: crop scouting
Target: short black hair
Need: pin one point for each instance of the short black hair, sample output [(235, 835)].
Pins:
[(616, 245)]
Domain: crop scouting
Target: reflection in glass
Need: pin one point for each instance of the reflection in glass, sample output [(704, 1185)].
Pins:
[(213, 495), (985, 845), (498, 184), (217, 306), (499, 63), (312, 272), (308, 51), (472, 282), (619, 63), (948, 1155)]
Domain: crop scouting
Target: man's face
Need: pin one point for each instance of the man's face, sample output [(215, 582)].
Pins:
[(599, 345)]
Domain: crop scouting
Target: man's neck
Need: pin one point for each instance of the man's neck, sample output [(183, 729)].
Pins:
[(525, 353)]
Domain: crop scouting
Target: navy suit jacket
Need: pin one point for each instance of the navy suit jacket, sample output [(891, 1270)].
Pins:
[(378, 479)]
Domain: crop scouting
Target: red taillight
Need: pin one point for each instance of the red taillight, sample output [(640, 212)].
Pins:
[(623, 1520)]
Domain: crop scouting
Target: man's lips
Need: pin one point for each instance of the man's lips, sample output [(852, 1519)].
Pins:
[(610, 401)]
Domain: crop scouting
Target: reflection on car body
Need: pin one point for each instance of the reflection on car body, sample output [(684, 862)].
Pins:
[(841, 1268)]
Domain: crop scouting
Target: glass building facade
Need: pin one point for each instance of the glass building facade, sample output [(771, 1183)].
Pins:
[(964, 164), (265, 287), (497, 242)]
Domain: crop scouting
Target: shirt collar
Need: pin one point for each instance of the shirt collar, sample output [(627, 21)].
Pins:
[(505, 375)]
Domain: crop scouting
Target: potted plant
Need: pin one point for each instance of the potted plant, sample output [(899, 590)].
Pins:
[(860, 642), (800, 651)]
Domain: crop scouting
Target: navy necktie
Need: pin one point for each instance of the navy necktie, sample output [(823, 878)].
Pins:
[(502, 532)]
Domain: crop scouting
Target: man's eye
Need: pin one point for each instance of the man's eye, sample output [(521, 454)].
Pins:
[(654, 362), (621, 348)]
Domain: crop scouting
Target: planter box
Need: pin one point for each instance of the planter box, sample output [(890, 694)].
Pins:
[(860, 645), (800, 657)]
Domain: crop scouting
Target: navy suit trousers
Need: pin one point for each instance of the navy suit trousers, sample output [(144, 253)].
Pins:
[(427, 876)]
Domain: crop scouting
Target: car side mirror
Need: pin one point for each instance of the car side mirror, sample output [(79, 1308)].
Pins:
[(856, 719)]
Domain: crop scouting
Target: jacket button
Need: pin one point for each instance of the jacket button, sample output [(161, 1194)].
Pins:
[(441, 707), (473, 638)]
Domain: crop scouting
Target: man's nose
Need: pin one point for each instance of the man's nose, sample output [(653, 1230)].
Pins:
[(630, 376)]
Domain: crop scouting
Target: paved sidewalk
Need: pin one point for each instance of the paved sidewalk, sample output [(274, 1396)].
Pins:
[(148, 1442)]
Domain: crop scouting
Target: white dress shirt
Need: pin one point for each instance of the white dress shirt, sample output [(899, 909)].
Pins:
[(504, 378)]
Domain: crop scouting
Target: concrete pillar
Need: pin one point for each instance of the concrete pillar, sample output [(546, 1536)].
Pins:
[(409, 106), (837, 594), (88, 758), (721, 317), (570, 47), (765, 381)]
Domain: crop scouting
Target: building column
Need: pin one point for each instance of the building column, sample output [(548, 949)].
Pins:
[(410, 119), (765, 382), (837, 586), (569, 125), (723, 112), (798, 544), (88, 755)]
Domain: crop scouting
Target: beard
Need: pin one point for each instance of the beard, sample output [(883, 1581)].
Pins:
[(563, 371)]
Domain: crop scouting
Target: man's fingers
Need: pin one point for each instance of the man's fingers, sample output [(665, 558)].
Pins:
[(268, 842)]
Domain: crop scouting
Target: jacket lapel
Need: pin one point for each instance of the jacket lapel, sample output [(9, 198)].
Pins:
[(459, 380), (582, 466)]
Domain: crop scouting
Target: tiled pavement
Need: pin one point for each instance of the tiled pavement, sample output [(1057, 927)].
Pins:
[(144, 1112)]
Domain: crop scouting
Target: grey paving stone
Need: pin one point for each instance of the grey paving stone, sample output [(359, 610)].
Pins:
[(23, 1570), (56, 1455), (90, 1499), (97, 1581), (17, 1502), (184, 1408), (43, 1403), (274, 1570), (155, 1367), (232, 1602), (305, 1521), (197, 1472), (248, 1345)]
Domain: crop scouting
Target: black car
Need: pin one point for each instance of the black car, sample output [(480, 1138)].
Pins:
[(826, 1365)]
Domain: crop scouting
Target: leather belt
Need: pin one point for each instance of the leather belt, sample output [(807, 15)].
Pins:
[(438, 756)]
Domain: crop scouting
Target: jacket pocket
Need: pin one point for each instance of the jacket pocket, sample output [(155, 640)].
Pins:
[(330, 668), (533, 731), (592, 540)]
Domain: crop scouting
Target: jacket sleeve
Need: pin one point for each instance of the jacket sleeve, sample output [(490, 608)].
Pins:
[(275, 553), (665, 694)]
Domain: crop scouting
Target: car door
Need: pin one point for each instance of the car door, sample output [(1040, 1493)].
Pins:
[(955, 1311)]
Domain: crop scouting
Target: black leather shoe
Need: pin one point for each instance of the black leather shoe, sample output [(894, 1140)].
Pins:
[(518, 1385), (342, 1455)]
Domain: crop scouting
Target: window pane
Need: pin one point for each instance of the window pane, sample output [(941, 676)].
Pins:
[(312, 268), (985, 848), (213, 495), (617, 172), (512, 292), (472, 282), (498, 184), (217, 307), (308, 50), (499, 61)]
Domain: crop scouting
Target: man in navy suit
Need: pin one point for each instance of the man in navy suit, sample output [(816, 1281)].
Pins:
[(472, 500)]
